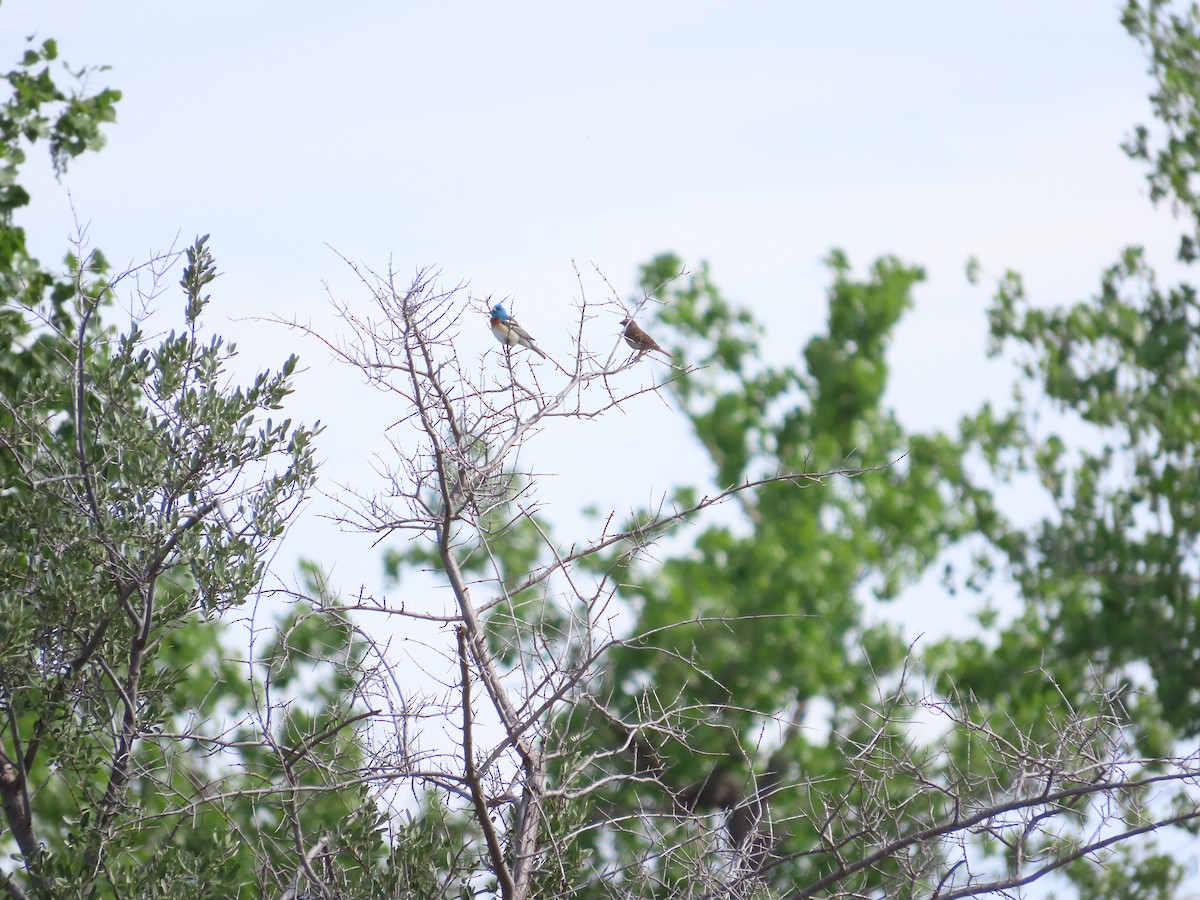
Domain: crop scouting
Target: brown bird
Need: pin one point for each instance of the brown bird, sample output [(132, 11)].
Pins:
[(640, 341)]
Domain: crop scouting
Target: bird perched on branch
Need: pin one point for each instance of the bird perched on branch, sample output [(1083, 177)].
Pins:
[(509, 333), (640, 341)]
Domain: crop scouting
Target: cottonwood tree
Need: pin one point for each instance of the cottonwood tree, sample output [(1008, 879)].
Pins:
[(820, 553), (1102, 432)]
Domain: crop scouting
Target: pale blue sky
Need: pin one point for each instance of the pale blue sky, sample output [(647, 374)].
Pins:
[(501, 141)]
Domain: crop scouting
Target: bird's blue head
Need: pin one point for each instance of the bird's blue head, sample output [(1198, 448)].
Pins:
[(499, 312)]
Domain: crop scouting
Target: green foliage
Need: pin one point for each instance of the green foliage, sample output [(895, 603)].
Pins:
[(751, 649), (294, 770), (1105, 422), (39, 108), (752, 652), (1172, 43), (762, 619), (140, 492), (1108, 575), (1128, 875)]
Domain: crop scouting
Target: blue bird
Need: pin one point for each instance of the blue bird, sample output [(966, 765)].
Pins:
[(509, 333)]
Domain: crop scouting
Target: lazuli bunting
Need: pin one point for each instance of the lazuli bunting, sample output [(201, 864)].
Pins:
[(509, 333), (640, 341)]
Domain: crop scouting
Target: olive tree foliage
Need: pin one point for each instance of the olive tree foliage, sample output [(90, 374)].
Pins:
[(140, 492), (141, 495)]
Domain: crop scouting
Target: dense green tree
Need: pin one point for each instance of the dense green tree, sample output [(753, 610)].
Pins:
[(788, 578), (127, 520), (139, 495), (1102, 437)]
